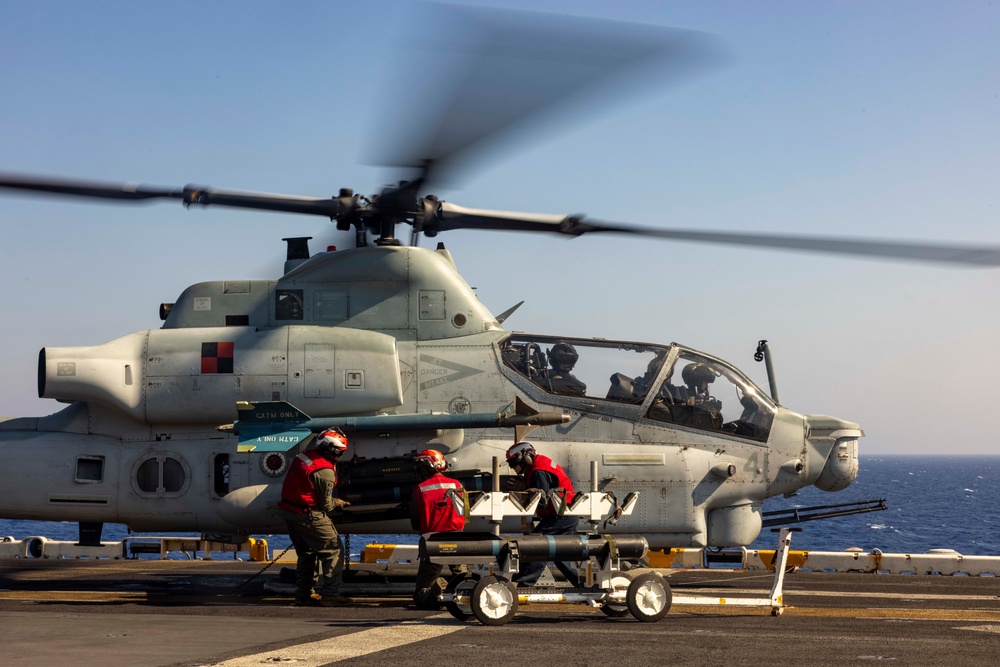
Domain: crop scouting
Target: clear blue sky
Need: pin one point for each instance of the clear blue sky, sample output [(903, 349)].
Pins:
[(853, 118)]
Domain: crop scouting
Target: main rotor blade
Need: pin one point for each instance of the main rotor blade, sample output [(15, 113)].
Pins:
[(127, 191), (494, 73), (450, 216), (967, 255), (189, 194)]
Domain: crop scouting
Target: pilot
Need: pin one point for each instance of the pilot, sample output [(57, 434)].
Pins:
[(542, 473), (307, 501), (438, 506), (697, 376), (707, 409), (662, 408), (562, 358), (642, 384)]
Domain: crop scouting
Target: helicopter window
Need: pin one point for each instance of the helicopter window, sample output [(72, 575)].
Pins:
[(330, 305), (90, 469), (148, 476), (288, 304), (604, 370), (160, 475), (173, 475), (712, 397), (220, 469)]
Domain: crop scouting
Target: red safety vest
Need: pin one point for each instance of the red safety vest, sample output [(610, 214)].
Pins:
[(435, 510), (298, 494), (545, 464)]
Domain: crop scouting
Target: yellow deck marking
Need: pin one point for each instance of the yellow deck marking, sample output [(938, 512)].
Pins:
[(74, 596)]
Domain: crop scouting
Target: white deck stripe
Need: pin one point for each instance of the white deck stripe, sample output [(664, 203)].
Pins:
[(352, 645), (725, 592)]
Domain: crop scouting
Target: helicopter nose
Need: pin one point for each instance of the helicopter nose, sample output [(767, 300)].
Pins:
[(841, 467), (836, 441)]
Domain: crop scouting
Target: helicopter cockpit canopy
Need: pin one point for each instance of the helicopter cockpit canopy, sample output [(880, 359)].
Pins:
[(674, 385), (712, 396)]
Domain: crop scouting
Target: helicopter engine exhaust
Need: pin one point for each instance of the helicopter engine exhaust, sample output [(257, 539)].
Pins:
[(108, 374)]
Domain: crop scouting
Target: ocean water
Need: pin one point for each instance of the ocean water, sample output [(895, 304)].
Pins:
[(934, 502)]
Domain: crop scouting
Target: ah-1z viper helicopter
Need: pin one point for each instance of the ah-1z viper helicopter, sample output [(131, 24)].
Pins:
[(390, 342)]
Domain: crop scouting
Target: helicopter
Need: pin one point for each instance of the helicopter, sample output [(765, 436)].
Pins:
[(395, 331)]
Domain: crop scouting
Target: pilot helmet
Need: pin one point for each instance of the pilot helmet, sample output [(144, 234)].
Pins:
[(653, 367), (563, 353), (331, 443), (697, 374), (520, 453), (431, 458)]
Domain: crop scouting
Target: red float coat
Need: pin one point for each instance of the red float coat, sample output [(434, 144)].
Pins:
[(298, 494), (541, 463), (433, 510)]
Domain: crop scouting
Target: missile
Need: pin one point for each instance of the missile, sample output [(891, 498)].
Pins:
[(531, 547), (277, 426)]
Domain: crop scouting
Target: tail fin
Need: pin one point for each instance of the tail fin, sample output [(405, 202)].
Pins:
[(270, 426)]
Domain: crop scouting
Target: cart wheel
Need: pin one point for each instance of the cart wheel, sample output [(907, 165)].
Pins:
[(494, 601), (461, 584), (619, 582), (649, 597)]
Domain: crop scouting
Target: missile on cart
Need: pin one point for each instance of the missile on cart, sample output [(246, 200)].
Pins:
[(477, 547)]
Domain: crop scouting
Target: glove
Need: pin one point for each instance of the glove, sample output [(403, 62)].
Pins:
[(529, 493), (340, 504)]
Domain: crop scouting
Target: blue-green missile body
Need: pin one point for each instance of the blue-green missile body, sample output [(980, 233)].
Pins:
[(277, 426)]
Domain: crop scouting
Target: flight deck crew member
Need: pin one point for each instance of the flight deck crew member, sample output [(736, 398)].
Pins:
[(438, 506), (542, 473), (307, 500)]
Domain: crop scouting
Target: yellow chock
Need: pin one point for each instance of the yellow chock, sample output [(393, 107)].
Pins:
[(373, 553), (661, 557), (259, 551)]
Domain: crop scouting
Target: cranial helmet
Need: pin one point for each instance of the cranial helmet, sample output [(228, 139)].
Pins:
[(520, 453), (331, 442), (433, 459), (563, 353)]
